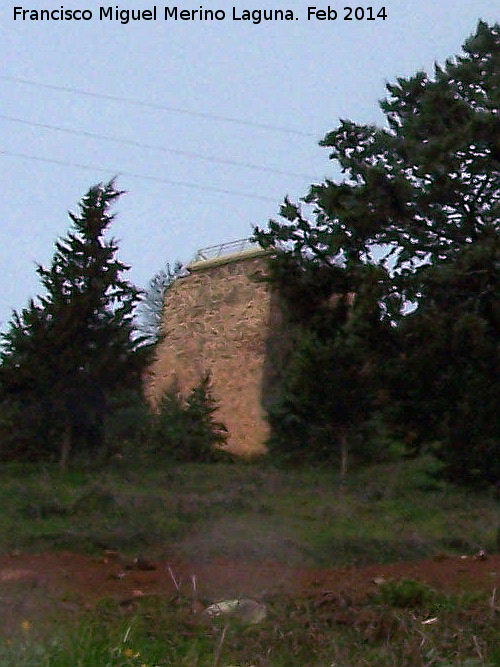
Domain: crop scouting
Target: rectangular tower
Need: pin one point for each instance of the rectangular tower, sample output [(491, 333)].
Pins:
[(216, 319)]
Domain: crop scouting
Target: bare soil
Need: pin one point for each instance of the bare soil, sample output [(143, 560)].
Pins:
[(35, 586)]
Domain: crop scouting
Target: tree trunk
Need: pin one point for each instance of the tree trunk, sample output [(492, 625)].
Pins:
[(343, 455), (65, 447)]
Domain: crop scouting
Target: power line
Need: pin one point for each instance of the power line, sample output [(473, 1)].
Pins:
[(157, 179), (163, 149), (161, 107)]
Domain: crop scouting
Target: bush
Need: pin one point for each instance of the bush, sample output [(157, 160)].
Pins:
[(181, 428), (24, 432), (186, 428), (405, 593), (127, 424)]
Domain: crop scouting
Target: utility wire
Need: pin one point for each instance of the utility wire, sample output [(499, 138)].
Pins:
[(163, 149), (157, 179), (161, 107)]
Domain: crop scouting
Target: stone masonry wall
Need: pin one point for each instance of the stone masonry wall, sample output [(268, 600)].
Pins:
[(216, 320)]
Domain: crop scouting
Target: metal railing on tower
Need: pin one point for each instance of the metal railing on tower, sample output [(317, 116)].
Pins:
[(230, 248)]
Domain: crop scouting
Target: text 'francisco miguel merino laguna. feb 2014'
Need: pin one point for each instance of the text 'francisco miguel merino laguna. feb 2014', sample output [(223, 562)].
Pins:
[(256, 16)]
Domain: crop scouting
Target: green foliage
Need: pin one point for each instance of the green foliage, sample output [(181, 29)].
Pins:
[(127, 424), (140, 508), (455, 333), (185, 429), (66, 353), (314, 632), (24, 432), (404, 593), (413, 226), (326, 398), (247, 512)]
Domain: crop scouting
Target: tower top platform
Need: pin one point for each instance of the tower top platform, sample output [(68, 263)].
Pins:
[(225, 253)]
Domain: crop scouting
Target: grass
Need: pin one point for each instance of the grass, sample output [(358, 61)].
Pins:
[(381, 514), (256, 512), (296, 633)]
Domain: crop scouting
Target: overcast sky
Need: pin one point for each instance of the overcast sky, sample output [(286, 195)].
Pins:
[(208, 124)]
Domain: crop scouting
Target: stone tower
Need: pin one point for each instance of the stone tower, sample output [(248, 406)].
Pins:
[(216, 319)]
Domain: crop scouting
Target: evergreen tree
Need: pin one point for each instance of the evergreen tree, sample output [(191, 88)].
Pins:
[(329, 393), (186, 429), (415, 192), (69, 350), (447, 382), (417, 218)]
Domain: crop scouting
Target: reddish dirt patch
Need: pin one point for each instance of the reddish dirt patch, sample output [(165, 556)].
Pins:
[(31, 584), (40, 587)]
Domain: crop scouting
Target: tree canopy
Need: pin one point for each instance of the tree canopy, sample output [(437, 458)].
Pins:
[(65, 354), (415, 221)]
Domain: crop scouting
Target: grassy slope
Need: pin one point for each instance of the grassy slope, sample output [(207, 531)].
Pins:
[(380, 514)]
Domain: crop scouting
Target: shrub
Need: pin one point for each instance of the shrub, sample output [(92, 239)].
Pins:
[(186, 428), (24, 432), (404, 593), (128, 423)]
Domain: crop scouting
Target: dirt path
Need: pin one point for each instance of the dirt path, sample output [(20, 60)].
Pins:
[(32, 586)]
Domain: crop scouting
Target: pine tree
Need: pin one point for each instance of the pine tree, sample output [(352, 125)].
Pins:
[(415, 192), (185, 428), (70, 349), (415, 220)]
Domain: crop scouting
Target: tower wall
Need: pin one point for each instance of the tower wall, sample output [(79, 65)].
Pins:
[(216, 319)]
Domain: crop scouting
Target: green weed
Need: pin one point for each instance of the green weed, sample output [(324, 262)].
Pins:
[(296, 633), (383, 513), (405, 593)]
